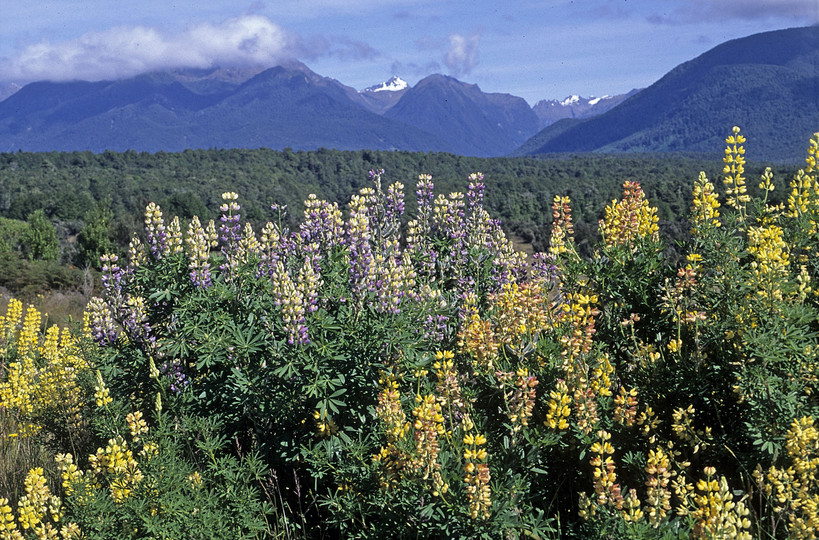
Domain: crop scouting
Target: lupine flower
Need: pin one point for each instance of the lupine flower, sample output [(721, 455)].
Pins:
[(112, 276), (116, 463), (475, 191), (248, 246), (429, 427), (547, 274), (734, 169), (174, 371), (175, 236), (477, 476), (101, 320), (155, 231), (605, 478), (359, 249), (198, 251), (789, 489), (230, 230), (562, 236), (291, 301), (308, 283), (136, 253), (658, 496), (435, 328), (625, 406), (519, 394), (559, 409), (33, 505), (704, 205), (101, 393), (629, 219), (211, 234), (394, 203), (717, 515), (396, 427), (322, 224), (275, 245), (136, 425), (448, 387), (135, 321), (771, 260)]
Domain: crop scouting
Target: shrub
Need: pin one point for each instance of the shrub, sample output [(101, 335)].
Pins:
[(381, 375)]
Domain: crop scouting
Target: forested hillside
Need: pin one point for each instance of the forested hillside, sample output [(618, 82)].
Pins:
[(66, 186)]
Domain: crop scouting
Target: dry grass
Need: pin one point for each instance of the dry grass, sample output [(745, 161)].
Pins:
[(18, 455), (58, 307)]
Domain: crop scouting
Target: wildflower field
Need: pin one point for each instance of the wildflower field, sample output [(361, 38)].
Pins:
[(372, 374)]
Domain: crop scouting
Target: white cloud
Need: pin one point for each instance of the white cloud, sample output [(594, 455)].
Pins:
[(462, 55), (127, 51)]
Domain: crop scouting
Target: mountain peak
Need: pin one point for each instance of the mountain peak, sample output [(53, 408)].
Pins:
[(574, 98), (394, 84)]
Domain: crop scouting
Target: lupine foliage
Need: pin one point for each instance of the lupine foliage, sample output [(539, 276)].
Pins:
[(372, 374)]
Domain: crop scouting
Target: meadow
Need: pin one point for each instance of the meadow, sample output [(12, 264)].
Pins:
[(384, 369)]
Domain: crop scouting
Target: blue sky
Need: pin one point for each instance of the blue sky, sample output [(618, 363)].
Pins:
[(533, 49)]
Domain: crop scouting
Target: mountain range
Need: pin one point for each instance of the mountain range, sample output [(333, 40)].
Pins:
[(766, 83)]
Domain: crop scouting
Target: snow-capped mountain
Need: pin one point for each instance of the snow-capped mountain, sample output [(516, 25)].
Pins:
[(395, 84), (550, 111), (380, 97)]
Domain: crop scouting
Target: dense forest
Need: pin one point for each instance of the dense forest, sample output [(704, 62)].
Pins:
[(106, 193)]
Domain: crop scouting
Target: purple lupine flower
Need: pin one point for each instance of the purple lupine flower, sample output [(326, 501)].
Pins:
[(435, 327), (544, 267), (155, 231), (230, 230), (425, 192), (322, 225), (394, 204), (135, 321), (101, 322), (112, 275), (359, 248), (174, 371), (475, 191), (549, 275)]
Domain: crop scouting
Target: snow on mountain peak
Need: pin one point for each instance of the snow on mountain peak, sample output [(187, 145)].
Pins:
[(595, 101), (574, 98), (393, 85)]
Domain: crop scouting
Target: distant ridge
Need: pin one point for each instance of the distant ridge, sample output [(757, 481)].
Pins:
[(550, 111), (276, 108), (473, 122), (768, 84)]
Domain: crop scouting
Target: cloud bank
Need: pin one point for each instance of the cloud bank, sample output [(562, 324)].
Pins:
[(249, 40)]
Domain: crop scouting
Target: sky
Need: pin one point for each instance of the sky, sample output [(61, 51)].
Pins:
[(532, 49)]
